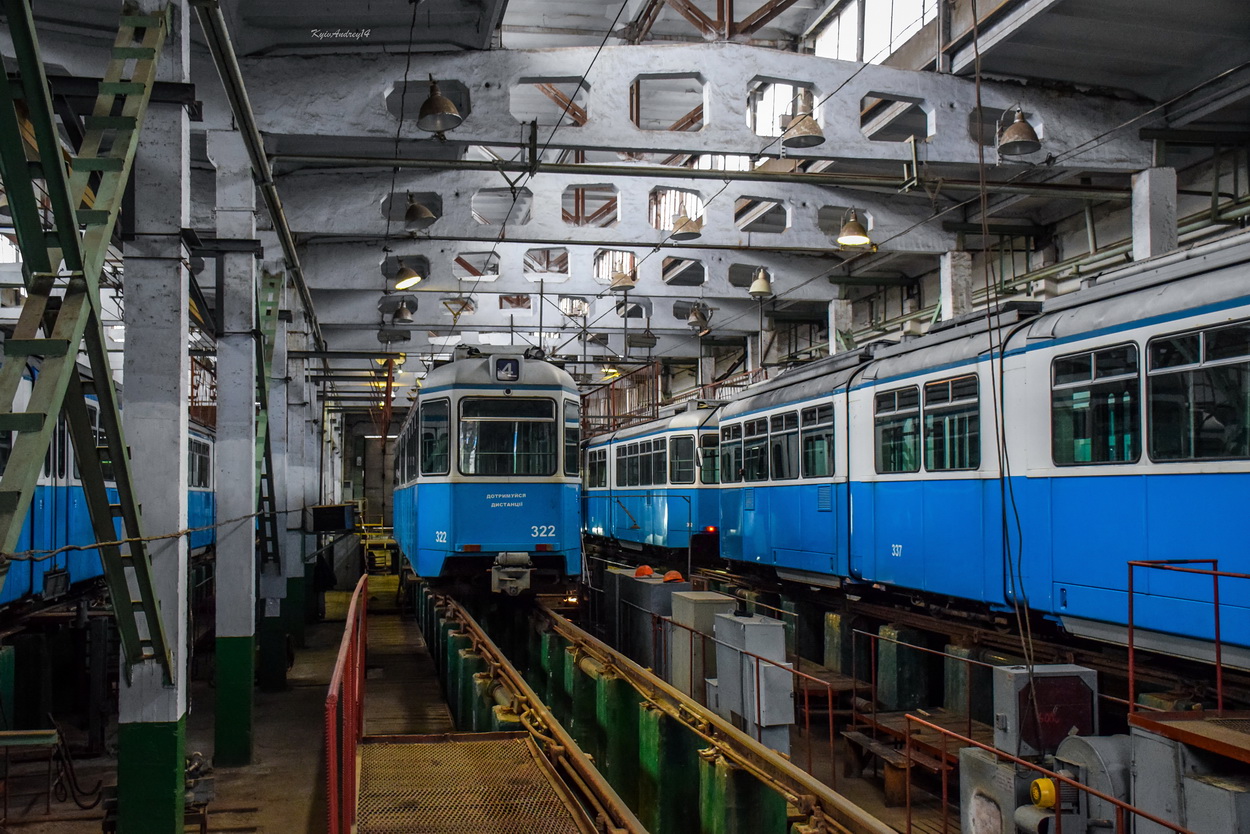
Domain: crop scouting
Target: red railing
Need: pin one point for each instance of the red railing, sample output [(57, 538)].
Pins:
[(726, 388), (1123, 810), (1180, 566), (344, 717)]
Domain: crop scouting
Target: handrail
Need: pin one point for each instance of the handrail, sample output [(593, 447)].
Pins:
[(344, 715)]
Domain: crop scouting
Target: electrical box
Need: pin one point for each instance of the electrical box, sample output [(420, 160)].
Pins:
[(691, 650), (758, 692), (330, 518), (990, 791), (642, 601), (1066, 701)]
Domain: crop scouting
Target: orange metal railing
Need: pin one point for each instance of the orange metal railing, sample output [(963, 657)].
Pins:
[(344, 715)]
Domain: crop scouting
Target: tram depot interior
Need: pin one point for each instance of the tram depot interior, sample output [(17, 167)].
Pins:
[(749, 415)]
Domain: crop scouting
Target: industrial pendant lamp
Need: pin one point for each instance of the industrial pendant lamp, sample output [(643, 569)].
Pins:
[(803, 131), (1018, 138), (438, 113), (402, 314), (406, 276), (761, 287), (418, 216), (684, 228), (623, 282), (853, 232), (698, 320)]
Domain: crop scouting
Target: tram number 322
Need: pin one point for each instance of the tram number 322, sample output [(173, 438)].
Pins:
[(543, 531)]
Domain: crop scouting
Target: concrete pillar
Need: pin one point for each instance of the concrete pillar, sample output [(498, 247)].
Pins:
[(152, 715), (668, 771), (955, 290), (1154, 212), (235, 455), (271, 629), (839, 325)]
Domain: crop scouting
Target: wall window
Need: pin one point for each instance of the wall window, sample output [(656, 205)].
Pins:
[(731, 454), (597, 468), (681, 460), (783, 446), (755, 450), (1093, 407), (709, 450), (509, 436), (572, 437), (952, 424), (817, 441), (1198, 394), (434, 424), (898, 430)]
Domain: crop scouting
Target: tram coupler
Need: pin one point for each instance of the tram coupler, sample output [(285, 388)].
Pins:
[(511, 573)]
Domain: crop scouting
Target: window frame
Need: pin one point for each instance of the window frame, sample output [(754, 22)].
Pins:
[(554, 420), (894, 412), (674, 459), (1139, 401), (949, 405), (819, 426)]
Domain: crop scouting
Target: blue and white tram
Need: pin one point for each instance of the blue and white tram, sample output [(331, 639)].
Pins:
[(487, 473), (654, 485)]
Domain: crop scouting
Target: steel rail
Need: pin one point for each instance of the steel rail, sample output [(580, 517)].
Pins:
[(828, 810), (538, 720)]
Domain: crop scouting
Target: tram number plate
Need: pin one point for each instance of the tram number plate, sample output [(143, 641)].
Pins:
[(440, 536), (543, 531), (896, 550)]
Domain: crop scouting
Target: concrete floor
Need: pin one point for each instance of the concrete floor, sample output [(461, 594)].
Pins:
[(284, 791)]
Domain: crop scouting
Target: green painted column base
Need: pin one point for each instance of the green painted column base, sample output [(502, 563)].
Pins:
[(732, 801), (505, 720), (236, 677), (668, 773), (151, 777), (616, 708), (273, 662), (294, 608)]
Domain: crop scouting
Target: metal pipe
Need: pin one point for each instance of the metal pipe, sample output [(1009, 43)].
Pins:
[(655, 172), (224, 58)]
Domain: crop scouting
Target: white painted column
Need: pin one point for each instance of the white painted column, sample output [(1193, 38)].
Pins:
[(151, 714), (955, 289), (839, 322), (1154, 212)]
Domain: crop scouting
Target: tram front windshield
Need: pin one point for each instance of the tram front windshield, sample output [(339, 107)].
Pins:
[(502, 437)]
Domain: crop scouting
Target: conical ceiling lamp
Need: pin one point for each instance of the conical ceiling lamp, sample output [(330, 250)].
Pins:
[(761, 287), (406, 276), (402, 314), (853, 232), (1019, 138), (698, 320), (803, 131), (684, 228), (418, 217), (623, 281), (438, 113)]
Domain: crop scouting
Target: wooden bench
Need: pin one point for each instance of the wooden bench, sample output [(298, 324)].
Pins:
[(897, 764)]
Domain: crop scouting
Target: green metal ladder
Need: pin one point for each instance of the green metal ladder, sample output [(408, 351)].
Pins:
[(84, 190), (269, 296)]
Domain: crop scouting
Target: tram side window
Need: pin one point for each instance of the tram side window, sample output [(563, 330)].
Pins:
[(731, 454), (681, 460), (621, 476), (572, 437), (783, 446), (597, 468), (755, 450), (102, 445), (411, 450), (199, 464), (435, 416), (898, 430), (1094, 411), (1198, 394), (709, 448), (659, 462), (952, 424), (6, 448), (633, 469), (817, 442), (508, 437)]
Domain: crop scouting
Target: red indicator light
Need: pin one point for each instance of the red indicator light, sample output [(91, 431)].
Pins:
[(543, 548), (709, 529), (471, 548)]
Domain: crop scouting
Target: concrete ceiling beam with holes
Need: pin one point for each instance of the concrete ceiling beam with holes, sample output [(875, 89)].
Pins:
[(812, 214), (293, 103)]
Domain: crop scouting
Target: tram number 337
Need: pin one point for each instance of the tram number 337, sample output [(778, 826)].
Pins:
[(896, 550), (543, 531)]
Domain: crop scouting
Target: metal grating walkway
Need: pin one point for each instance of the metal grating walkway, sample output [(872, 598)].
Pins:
[(461, 784)]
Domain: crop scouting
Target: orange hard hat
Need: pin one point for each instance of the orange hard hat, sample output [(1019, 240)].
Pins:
[(673, 576), (643, 570)]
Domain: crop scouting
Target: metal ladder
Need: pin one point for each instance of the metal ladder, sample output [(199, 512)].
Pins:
[(84, 190), (269, 296)]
